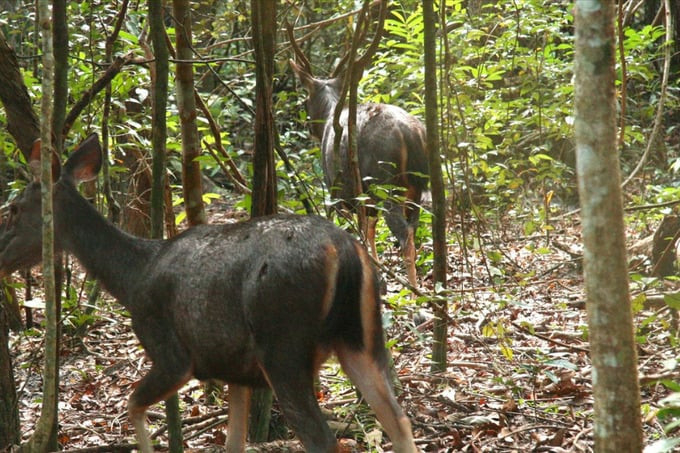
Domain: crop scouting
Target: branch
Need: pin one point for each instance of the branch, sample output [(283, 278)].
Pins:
[(373, 47), (99, 85)]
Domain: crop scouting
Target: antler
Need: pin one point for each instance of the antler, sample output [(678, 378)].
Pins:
[(302, 59)]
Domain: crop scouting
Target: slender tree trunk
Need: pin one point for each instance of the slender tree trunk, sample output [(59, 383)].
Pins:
[(191, 147), (43, 434), (264, 173), (60, 37), (158, 138), (610, 321), (60, 34), (440, 306), (159, 127)]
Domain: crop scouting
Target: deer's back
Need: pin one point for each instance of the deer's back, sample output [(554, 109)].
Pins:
[(390, 148), (222, 288)]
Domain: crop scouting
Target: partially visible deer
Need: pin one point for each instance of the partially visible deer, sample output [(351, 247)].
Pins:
[(256, 303), (390, 150)]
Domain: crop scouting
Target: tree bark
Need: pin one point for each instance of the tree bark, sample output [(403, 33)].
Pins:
[(610, 321), (264, 171), (9, 409), (158, 126), (191, 146), (440, 306)]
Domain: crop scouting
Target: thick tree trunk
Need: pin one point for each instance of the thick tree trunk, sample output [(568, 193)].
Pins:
[(610, 321)]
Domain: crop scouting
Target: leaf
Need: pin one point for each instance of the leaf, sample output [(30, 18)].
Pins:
[(672, 300), (507, 351)]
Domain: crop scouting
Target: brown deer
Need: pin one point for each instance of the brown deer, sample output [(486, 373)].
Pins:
[(262, 302), (390, 150)]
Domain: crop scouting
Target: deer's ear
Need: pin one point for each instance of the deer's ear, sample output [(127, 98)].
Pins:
[(85, 162), (34, 162)]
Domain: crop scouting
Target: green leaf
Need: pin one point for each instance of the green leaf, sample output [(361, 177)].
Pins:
[(672, 300)]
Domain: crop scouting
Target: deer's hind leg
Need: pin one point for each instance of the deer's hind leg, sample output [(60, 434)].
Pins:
[(158, 384), (370, 375), (239, 407), (290, 373), (403, 227)]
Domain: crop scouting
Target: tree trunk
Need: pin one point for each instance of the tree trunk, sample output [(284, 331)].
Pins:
[(191, 147), (610, 321), (159, 126), (264, 172), (60, 34), (43, 438), (9, 409), (440, 306), (158, 138)]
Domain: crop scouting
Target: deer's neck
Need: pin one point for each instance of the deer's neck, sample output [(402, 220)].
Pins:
[(114, 257), (321, 108)]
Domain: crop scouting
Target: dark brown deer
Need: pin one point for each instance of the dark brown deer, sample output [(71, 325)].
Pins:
[(256, 303), (390, 150)]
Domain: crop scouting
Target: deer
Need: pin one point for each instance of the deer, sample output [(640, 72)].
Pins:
[(257, 303), (390, 149)]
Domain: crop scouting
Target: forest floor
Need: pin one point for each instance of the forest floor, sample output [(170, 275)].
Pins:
[(518, 376)]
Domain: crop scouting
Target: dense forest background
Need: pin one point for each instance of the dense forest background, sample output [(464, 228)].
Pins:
[(518, 369)]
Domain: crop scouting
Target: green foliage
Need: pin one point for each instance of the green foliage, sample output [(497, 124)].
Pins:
[(505, 81)]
